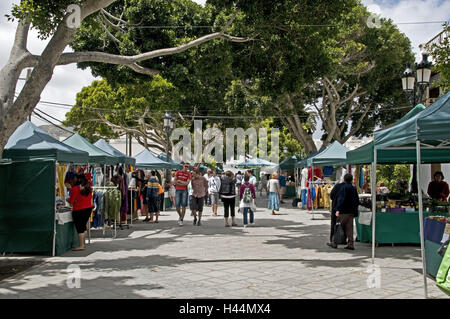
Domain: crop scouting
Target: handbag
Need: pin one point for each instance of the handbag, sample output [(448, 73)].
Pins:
[(339, 236), (365, 218)]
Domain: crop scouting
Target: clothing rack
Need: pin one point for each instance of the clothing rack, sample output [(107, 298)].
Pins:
[(103, 219), (321, 182)]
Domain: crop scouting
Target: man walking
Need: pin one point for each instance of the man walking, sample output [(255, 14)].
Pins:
[(207, 175), (199, 187), (333, 195), (182, 180), (252, 179), (152, 196), (213, 190), (347, 208)]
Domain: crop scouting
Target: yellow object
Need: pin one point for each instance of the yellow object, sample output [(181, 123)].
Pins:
[(60, 170)]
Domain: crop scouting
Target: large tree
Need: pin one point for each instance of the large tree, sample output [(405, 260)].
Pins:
[(135, 108), (53, 21), (341, 72)]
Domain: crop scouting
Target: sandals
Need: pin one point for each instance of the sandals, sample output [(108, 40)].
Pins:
[(78, 249)]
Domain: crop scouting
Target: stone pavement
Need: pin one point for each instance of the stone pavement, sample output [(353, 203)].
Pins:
[(282, 256)]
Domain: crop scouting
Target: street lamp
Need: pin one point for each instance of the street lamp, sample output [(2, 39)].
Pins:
[(168, 126), (414, 83), (285, 150)]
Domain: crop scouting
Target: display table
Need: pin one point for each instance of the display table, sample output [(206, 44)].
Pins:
[(66, 238), (394, 228), (290, 192)]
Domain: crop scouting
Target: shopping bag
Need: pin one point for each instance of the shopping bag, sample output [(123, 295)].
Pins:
[(443, 275), (365, 218), (339, 234)]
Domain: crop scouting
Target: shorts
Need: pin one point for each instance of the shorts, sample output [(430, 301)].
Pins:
[(197, 204), (181, 198), (283, 190), (80, 219), (214, 198), (172, 191), (153, 206)]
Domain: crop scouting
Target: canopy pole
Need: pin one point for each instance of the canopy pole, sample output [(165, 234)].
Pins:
[(422, 241), (312, 184), (373, 183)]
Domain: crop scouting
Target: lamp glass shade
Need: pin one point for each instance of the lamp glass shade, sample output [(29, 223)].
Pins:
[(408, 83), (423, 75)]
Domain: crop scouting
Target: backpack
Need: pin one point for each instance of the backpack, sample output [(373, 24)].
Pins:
[(247, 196)]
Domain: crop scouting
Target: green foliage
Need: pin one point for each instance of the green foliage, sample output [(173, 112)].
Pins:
[(139, 105), (45, 15), (441, 55), (390, 175)]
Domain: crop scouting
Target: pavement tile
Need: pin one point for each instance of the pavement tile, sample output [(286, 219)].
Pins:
[(277, 259)]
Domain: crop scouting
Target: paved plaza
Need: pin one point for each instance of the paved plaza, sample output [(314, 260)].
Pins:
[(283, 256)]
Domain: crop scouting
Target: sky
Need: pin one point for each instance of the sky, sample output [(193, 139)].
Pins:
[(68, 80)]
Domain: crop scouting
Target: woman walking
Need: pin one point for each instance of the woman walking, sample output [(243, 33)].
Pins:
[(81, 201), (247, 197), (274, 193), (228, 195)]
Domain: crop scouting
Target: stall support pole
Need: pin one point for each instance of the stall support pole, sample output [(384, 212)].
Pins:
[(373, 182), (422, 242), (104, 184), (54, 220), (312, 200)]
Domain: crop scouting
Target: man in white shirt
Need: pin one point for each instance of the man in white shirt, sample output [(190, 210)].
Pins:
[(252, 179), (207, 175), (213, 190)]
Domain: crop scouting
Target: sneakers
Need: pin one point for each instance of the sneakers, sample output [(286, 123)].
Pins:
[(253, 224), (245, 226), (180, 222), (199, 223)]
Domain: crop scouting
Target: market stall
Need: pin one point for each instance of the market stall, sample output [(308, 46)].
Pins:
[(289, 165), (104, 146), (101, 159), (32, 220), (332, 155), (428, 130)]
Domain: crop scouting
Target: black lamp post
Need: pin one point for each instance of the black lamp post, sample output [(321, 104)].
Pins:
[(415, 82), (168, 126)]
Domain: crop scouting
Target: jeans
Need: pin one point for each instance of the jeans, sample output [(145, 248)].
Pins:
[(246, 210), (181, 198)]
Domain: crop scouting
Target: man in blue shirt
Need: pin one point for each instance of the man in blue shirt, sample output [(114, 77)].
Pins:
[(282, 179)]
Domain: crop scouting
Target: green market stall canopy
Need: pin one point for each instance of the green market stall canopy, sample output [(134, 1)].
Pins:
[(148, 160), (255, 163), (430, 127), (289, 163), (29, 141), (104, 146), (96, 155), (174, 165)]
